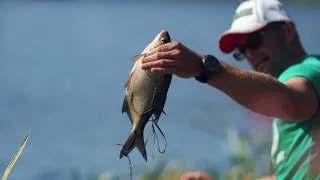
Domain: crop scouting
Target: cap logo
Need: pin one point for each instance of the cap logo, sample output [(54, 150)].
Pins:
[(244, 12)]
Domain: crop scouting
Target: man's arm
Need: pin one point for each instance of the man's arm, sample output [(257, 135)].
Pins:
[(294, 99)]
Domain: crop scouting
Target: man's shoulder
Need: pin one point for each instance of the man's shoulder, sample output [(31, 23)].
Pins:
[(311, 60), (309, 66)]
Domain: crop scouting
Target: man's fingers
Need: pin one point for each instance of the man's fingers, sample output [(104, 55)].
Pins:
[(167, 70), (158, 64), (162, 48), (158, 55), (165, 47)]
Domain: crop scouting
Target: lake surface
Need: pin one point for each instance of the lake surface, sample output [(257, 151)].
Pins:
[(63, 66)]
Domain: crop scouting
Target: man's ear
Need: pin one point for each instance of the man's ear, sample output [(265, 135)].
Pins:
[(289, 31)]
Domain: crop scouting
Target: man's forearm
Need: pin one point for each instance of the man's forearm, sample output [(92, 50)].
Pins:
[(258, 92)]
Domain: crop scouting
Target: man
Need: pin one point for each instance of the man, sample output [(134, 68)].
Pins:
[(286, 85)]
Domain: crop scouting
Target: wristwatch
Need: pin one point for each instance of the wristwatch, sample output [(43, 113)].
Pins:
[(210, 65)]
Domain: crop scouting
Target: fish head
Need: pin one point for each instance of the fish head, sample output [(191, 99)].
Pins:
[(162, 37)]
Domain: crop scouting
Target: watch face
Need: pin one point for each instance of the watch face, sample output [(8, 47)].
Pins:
[(211, 63)]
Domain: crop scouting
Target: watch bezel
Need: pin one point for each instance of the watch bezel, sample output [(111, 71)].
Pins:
[(207, 63), (207, 70)]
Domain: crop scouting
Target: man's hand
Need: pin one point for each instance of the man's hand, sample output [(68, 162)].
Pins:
[(173, 58), (195, 175), (273, 177)]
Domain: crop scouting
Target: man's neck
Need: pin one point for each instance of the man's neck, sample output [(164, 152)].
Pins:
[(293, 56), (297, 55)]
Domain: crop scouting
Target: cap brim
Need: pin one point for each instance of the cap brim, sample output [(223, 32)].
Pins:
[(231, 38)]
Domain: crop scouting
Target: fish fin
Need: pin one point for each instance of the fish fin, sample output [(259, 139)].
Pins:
[(137, 57), (134, 140), (127, 85), (141, 147), (128, 145), (124, 105)]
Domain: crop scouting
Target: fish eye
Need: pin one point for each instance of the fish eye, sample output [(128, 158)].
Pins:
[(162, 40)]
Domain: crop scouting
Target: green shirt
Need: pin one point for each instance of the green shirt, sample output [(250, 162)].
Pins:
[(296, 145)]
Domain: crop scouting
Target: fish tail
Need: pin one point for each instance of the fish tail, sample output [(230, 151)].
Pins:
[(134, 140)]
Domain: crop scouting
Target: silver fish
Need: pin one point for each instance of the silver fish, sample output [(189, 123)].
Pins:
[(145, 95)]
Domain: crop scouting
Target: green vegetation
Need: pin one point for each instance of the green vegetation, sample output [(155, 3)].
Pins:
[(244, 162), (247, 152)]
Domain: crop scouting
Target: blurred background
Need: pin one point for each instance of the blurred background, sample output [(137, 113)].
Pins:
[(63, 66)]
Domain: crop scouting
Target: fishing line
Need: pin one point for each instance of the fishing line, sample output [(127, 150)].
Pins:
[(158, 138), (153, 131), (154, 122), (154, 140), (130, 166)]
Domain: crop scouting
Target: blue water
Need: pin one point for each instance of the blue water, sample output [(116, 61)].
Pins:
[(63, 66)]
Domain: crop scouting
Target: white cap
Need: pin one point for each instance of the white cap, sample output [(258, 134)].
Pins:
[(250, 16)]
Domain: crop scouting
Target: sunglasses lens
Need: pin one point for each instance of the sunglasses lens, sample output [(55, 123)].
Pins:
[(254, 41), (239, 54)]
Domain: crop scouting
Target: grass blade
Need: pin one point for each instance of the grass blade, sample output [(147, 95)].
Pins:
[(15, 158)]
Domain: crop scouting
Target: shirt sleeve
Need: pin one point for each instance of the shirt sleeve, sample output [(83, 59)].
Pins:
[(309, 69)]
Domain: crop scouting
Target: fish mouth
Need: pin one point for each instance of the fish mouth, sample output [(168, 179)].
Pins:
[(166, 40)]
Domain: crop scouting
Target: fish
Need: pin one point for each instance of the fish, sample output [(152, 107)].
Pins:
[(145, 95)]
